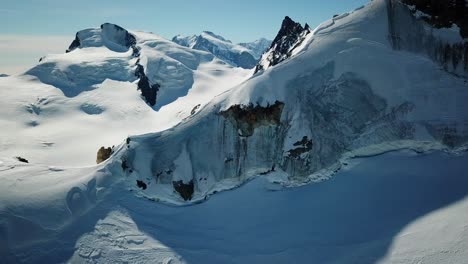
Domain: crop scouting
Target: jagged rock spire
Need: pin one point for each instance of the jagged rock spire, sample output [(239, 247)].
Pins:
[(290, 35)]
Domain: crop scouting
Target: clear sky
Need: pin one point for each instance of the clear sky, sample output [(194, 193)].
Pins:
[(30, 29)]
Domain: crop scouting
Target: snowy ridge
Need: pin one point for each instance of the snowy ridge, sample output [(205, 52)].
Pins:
[(257, 47), (244, 56), (94, 88), (317, 88)]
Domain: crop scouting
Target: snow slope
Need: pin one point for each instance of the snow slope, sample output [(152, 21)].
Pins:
[(348, 89), (391, 208), (63, 110)]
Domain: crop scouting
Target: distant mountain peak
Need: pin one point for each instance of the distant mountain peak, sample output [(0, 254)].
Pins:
[(209, 33), (222, 48)]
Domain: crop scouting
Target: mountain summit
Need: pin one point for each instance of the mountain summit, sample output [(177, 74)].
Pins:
[(289, 37)]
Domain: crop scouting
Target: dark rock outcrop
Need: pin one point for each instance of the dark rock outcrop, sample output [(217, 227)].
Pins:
[(148, 91), (302, 146), (130, 40), (103, 154), (75, 44), (246, 119), (290, 35), (224, 51), (184, 189), (444, 13), (141, 184), (21, 159), (114, 33)]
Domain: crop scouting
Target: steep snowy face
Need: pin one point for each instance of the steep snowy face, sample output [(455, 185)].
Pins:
[(348, 92), (438, 30), (220, 47), (112, 36), (289, 37), (257, 47)]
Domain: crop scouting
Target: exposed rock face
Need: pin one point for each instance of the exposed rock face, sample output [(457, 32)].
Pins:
[(3, 75), (141, 184), (246, 119), (444, 13), (75, 44), (21, 159), (148, 90), (290, 36), (414, 32), (332, 116), (103, 154), (184, 189), (302, 146)]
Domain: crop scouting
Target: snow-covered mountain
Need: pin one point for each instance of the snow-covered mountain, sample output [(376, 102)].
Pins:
[(234, 54), (322, 102), (94, 87), (339, 89), (165, 71), (257, 47)]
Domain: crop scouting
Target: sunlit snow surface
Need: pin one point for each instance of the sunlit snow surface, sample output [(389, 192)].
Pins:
[(399, 207), (88, 98)]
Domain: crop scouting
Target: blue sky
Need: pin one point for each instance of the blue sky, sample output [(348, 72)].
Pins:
[(31, 27)]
